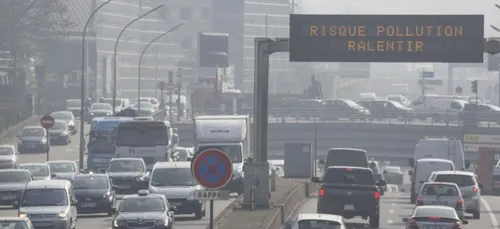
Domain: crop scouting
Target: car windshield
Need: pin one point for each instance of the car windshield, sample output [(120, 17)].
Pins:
[(36, 170), (14, 224), (59, 126), (33, 132), (126, 166), (392, 169), (99, 182), (439, 190), (62, 115), (348, 176), (73, 103), (6, 150), (101, 106), (172, 177), (318, 224), (460, 180), (397, 104), (434, 211), (44, 197), (62, 167), (14, 177), (142, 204)]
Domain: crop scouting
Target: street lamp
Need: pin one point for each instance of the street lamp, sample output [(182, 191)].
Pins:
[(116, 46), (82, 90), (140, 61)]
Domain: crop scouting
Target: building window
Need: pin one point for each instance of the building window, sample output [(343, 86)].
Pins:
[(204, 13), (185, 13), (187, 43)]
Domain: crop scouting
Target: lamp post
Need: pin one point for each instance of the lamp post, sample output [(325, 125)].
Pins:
[(82, 89), (140, 61), (116, 46)]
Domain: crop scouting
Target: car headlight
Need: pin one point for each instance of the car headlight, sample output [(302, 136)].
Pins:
[(44, 140), (22, 214), (64, 133), (109, 113), (71, 123), (118, 223), (106, 195), (91, 113), (163, 222), (140, 178), (63, 214)]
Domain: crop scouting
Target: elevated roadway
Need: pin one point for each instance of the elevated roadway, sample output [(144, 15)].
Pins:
[(70, 152)]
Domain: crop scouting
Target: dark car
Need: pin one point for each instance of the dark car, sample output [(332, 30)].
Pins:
[(387, 109), (350, 192), (67, 117), (94, 193), (343, 109), (74, 105), (99, 110), (33, 139), (64, 169), (60, 133), (12, 184), (144, 210), (145, 109), (128, 175)]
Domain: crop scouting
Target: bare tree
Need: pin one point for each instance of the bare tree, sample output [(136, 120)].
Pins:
[(26, 22)]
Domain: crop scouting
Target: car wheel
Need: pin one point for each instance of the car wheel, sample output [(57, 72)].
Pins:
[(476, 215), (374, 221)]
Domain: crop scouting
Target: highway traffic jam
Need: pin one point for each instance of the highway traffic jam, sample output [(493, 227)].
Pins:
[(136, 176)]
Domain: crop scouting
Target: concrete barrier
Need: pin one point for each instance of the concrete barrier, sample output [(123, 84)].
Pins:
[(13, 131)]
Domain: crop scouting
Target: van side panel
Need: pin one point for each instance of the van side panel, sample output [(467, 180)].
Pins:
[(442, 149)]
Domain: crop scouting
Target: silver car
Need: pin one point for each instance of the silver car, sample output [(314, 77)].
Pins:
[(9, 157), (434, 217), (16, 223), (64, 169), (442, 194), (470, 189), (314, 220), (393, 175), (12, 184), (39, 171)]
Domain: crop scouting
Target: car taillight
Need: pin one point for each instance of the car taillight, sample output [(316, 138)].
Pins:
[(412, 224), (460, 203), (321, 192), (434, 218), (420, 201), (457, 225), (376, 195), (475, 189)]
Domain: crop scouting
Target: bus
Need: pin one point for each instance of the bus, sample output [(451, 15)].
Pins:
[(152, 141), (100, 149)]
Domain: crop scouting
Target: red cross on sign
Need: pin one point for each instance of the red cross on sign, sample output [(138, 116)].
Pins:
[(212, 168)]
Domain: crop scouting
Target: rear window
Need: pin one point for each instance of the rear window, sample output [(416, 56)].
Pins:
[(421, 212), (347, 158), (439, 189), (460, 180), (323, 224), (348, 176)]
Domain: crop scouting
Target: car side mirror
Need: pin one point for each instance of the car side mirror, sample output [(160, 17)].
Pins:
[(405, 220), (322, 162), (481, 185), (467, 164), (175, 139), (411, 162), (53, 176), (172, 208), (114, 187), (74, 202), (410, 172), (113, 210), (288, 225), (315, 180), (421, 182), (385, 172), (381, 183), (464, 222)]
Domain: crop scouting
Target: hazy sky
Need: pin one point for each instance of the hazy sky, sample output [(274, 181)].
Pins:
[(486, 7)]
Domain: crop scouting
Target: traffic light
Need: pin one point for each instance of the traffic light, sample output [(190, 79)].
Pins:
[(474, 86)]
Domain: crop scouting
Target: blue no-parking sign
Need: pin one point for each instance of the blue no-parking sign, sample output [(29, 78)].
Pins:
[(212, 168)]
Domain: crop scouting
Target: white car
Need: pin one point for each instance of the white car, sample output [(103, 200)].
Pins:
[(315, 220), (153, 101)]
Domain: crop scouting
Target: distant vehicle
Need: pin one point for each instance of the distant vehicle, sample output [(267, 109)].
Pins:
[(99, 110), (32, 139), (430, 216), (373, 165), (182, 154), (74, 106), (469, 188), (400, 99), (343, 109), (145, 109), (387, 109), (68, 117), (39, 171), (439, 109), (94, 193), (153, 209), (349, 192), (63, 169), (9, 157), (313, 220), (16, 223), (120, 103), (175, 181), (100, 147), (440, 148), (128, 175), (345, 157), (424, 168), (153, 101), (393, 175), (12, 184), (60, 133), (49, 203), (442, 194), (144, 118), (485, 112)]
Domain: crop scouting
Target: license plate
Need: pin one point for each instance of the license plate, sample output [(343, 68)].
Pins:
[(435, 227), (42, 224), (8, 197), (89, 205), (124, 186), (348, 207), (30, 146), (440, 202)]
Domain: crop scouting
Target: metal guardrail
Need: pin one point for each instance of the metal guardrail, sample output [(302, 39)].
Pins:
[(406, 117)]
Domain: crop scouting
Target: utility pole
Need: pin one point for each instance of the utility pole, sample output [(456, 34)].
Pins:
[(180, 110)]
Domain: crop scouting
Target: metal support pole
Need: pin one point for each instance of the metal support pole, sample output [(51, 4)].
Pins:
[(116, 47), (216, 85), (498, 88), (48, 144), (450, 79), (157, 75), (252, 198), (261, 89), (315, 153), (211, 214), (273, 180), (178, 101), (170, 106), (82, 89)]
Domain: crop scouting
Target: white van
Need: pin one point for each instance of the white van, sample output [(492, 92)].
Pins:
[(442, 148), (423, 169)]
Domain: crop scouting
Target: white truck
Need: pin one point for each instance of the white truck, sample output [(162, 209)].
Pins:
[(229, 133)]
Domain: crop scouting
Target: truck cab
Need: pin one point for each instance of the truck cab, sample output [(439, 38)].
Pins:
[(229, 133)]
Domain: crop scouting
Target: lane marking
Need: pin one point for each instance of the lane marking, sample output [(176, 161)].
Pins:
[(391, 211), (389, 221), (493, 218), (393, 204)]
